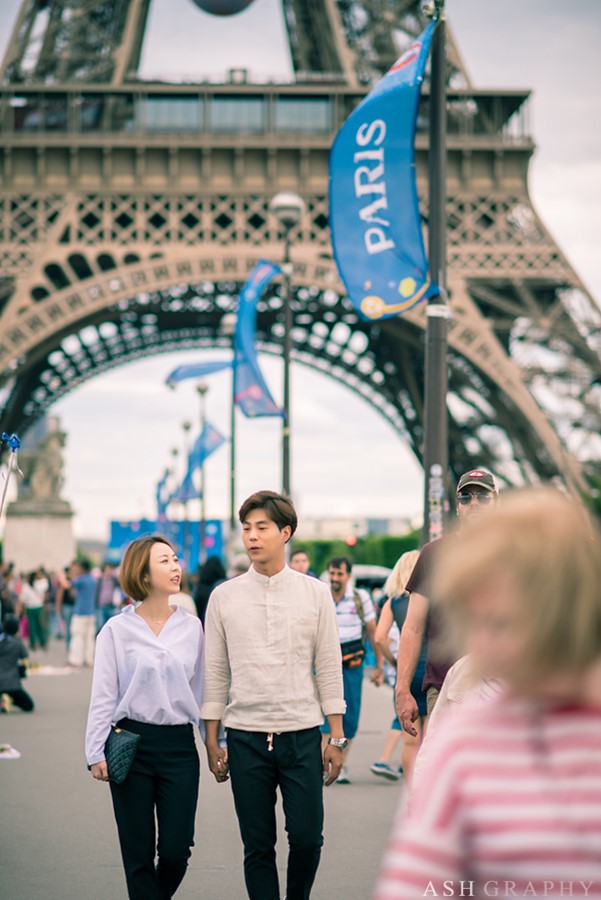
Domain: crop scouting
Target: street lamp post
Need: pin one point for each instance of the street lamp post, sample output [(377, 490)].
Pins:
[(228, 329), (202, 392), (288, 209), (437, 311), (186, 426)]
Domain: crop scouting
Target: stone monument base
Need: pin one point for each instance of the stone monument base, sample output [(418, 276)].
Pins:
[(39, 537)]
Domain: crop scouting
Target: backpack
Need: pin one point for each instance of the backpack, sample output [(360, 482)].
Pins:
[(353, 652)]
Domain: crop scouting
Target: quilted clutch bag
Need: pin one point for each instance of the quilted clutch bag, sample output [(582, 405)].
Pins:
[(120, 749)]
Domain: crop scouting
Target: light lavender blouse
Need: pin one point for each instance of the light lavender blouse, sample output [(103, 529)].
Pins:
[(151, 678)]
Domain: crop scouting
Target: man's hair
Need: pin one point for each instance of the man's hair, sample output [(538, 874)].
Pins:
[(11, 626), (83, 564), (338, 561), (297, 551), (278, 507), (550, 550), (135, 568)]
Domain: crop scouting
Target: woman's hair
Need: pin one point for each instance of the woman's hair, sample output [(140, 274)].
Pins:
[(135, 568), (278, 507), (398, 578), (549, 550)]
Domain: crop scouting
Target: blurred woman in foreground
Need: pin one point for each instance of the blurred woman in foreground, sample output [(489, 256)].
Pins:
[(510, 798)]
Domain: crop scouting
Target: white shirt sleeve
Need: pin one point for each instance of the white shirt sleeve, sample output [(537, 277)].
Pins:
[(104, 699), (217, 668), (328, 660)]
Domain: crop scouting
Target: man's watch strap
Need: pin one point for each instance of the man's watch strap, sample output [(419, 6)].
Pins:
[(341, 743)]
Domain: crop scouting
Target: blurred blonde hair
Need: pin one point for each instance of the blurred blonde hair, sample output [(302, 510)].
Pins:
[(398, 578), (549, 549)]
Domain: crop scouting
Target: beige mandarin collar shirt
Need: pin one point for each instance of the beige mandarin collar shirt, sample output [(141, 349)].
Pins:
[(272, 653)]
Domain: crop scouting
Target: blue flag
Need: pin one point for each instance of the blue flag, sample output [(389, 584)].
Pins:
[(374, 209), (209, 440), (196, 370), (250, 390)]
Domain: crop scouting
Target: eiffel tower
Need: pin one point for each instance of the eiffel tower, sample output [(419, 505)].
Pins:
[(131, 213)]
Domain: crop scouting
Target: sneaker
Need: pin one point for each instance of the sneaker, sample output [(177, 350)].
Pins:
[(343, 777), (385, 771)]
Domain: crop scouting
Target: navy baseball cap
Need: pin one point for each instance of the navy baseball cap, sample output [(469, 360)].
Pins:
[(478, 477)]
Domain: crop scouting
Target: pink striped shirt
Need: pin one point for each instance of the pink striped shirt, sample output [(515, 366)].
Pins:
[(509, 805)]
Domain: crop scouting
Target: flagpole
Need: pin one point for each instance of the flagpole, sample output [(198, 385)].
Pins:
[(437, 311), (202, 390)]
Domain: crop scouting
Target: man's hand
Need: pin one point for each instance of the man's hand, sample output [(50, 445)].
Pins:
[(332, 764), (407, 711), (217, 759), (100, 771), (377, 676)]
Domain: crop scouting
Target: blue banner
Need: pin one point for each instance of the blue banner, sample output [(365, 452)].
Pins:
[(374, 208), (179, 532), (250, 390)]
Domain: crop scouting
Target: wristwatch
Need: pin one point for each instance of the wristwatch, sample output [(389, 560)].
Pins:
[(341, 743)]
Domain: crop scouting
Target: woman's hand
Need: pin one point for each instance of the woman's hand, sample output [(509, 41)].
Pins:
[(100, 771)]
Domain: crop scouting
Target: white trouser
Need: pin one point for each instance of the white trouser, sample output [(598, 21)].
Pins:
[(83, 636)]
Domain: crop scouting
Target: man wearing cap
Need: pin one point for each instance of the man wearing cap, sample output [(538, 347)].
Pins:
[(476, 489)]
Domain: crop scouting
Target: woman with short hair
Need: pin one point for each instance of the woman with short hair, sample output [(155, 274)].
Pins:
[(148, 674)]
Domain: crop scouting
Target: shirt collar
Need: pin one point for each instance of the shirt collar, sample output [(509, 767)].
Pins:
[(263, 579)]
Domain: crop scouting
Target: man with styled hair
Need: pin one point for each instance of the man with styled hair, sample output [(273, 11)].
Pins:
[(272, 673)]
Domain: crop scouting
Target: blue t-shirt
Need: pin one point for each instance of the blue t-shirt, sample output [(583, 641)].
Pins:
[(85, 595)]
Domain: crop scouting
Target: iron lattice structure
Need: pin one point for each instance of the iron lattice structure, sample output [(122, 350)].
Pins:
[(132, 211)]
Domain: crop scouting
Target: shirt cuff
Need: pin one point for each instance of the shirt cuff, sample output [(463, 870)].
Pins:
[(93, 760), (212, 711), (333, 707)]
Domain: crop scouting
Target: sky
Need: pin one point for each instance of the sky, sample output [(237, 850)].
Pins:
[(346, 459)]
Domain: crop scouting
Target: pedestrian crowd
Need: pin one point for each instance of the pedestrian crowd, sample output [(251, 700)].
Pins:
[(489, 641)]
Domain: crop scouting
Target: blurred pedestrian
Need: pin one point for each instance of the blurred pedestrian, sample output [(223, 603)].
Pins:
[(476, 490), (13, 654), (355, 614), (300, 562), (148, 679), (390, 623), (272, 673), (211, 574), (462, 688), (32, 599), (183, 597), (65, 601), (83, 620), (239, 565), (509, 801), (109, 597)]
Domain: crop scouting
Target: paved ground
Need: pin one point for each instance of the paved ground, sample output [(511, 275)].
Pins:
[(57, 833)]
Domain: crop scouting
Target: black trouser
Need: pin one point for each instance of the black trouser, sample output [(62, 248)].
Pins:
[(21, 699), (295, 764), (163, 777)]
